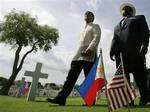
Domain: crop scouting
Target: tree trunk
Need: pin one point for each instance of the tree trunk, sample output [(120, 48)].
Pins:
[(6, 87), (16, 69)]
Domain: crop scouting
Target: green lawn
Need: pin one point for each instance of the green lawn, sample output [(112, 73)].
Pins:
[(12, 104)]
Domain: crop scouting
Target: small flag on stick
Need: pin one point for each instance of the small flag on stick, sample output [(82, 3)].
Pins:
[(119, 91)]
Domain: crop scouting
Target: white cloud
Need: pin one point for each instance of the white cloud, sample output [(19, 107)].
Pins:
[(52, 65), (18, 0), (1, 17), (94, 3), (148, 57), (105, 43), (6, 60), (45, 17), (63, 54), (32, 7), (75, 16), (73, 6)]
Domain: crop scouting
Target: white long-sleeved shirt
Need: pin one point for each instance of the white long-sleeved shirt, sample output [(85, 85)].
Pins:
[(89, 39)]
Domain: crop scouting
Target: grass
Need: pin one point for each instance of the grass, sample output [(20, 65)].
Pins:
[(12, 104)]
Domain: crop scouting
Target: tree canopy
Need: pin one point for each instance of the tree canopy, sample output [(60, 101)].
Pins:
[(20, 30)]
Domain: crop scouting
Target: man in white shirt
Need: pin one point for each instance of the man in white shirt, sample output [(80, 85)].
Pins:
[(84, 58)]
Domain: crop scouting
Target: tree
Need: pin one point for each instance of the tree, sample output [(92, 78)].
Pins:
[(20, 30), (3, 81)]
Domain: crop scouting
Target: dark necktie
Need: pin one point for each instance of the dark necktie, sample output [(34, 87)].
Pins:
[(123, 22)]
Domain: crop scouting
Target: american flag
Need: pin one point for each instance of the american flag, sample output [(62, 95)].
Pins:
[(119, 92)]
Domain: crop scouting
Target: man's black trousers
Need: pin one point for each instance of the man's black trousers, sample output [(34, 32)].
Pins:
[(73, 74)]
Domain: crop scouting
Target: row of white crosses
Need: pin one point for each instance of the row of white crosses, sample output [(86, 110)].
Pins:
[(35, 79)]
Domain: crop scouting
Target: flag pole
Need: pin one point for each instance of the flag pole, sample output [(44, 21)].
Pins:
[(105, 79), (125, 81)]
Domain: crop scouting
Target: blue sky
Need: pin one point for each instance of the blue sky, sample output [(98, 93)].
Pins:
[(68, 17)]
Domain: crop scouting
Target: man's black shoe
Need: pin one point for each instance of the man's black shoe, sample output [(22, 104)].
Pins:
[(132, 103), (56, 101), (143, 101)]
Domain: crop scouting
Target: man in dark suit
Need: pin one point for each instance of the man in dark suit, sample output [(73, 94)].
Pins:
[(131, 38)]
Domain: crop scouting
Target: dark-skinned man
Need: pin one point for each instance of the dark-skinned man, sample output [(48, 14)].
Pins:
[(131, 38)]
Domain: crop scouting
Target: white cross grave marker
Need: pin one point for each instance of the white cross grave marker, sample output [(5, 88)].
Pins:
[(35, 76)]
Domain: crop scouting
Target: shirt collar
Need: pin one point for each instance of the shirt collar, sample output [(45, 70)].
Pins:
[(88, 24)]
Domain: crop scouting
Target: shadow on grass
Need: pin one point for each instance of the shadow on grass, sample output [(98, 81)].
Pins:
[(39, 101), (96, 105), (137, 106), (55, 105)]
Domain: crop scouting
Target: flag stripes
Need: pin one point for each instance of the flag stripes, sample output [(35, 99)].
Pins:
[(119, 92), (93, 83), (117, 81)]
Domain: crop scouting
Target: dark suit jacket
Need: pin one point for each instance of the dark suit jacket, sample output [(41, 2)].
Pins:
[(128, 39)]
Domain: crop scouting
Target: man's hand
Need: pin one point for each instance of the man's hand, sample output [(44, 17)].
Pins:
[(143, 51), (87, 52), (112, 57)]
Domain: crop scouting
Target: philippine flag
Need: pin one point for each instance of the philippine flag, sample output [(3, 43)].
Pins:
[(93, 83), (23, 89)]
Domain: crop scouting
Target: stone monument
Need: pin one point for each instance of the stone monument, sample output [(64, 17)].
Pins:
[(35, 76)]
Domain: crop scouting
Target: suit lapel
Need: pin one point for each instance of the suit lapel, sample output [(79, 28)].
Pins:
[(123, 24)]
